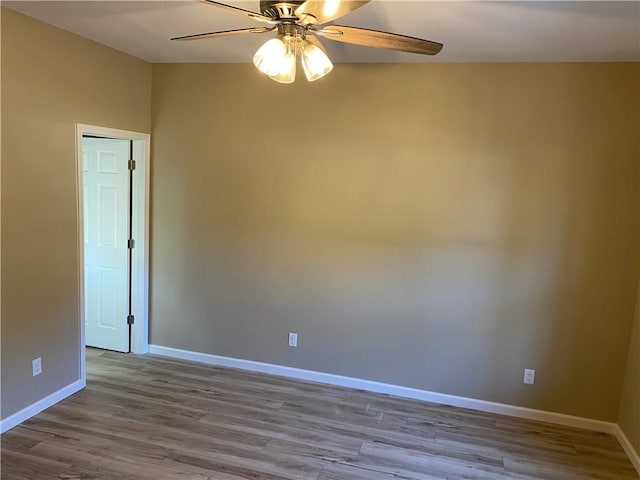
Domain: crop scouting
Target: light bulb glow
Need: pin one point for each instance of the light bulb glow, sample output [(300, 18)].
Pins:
[(315, 62), (287, 73), (270, 57), (277, 59), (330, 8)]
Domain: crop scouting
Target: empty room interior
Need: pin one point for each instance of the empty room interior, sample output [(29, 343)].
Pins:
[(423, 265)]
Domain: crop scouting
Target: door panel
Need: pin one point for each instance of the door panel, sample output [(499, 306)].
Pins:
[(106, 216)]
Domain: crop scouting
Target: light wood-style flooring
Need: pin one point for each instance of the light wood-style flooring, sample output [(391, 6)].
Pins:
[(148, 417)]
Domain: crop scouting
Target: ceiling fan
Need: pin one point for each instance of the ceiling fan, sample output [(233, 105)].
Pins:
[(298, 23)]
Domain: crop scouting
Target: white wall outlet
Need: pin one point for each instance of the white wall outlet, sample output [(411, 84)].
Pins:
[(529, 376), (36, 366), (293, 339)]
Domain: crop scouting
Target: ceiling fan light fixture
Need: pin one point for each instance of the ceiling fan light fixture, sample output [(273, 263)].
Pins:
[(271, 57), (276, 58), (315, 63), (294, 20), (287, 73)]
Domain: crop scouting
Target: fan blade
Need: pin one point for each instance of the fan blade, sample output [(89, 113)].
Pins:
[(315, 41), (377, 39), (256, 16), (323, 11), (200, 36)]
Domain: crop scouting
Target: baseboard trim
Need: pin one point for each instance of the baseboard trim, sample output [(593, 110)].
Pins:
[(631, 452), (37, 407), (378, 387)]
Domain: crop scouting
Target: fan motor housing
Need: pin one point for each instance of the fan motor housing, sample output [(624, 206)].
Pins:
[(280, 10)]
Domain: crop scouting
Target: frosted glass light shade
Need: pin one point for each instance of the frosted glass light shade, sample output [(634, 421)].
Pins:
[(270, 58), (277, 59), (287, 72), (315, 62)]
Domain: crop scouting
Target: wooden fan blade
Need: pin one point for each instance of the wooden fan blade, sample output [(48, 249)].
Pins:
[(377, 39), (200, 36), (255, 15), (315, 41), (323, 11)]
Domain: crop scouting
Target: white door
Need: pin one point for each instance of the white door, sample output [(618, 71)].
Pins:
[(106, 232)]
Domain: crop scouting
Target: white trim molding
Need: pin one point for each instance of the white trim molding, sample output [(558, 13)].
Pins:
[(399, 391), (42, 404), (631, 452)]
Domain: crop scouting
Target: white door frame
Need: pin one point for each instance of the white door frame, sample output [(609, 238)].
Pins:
[(140, 254)]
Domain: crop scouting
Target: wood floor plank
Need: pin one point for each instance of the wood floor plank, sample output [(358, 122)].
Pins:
[(93, 461), (30, 465), (149, 417), (349, 472), (410, 461), (20, 441), (105, 444)]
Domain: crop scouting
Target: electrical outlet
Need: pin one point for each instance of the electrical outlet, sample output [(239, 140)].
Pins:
[(36, 366), (529, 376), (293, 339)]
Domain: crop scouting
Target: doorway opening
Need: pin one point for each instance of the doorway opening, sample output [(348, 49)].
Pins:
[(113, 225)]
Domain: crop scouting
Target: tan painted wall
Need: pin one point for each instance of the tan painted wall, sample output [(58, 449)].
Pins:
[(629, 418), (51, 80), (434, 226)]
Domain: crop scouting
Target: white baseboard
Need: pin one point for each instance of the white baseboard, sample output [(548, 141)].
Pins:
[(631, 452), (378, 387), (37, 407)]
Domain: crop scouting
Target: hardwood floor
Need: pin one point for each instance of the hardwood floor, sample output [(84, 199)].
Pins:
[(148, 417)]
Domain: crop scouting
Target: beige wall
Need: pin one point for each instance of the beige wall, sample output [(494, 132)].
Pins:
[(629, 418), (51, 80), (435, 226)]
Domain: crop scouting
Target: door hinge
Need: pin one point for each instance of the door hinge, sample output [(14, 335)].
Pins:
[(131, 243), (132, 164), (130, 319)]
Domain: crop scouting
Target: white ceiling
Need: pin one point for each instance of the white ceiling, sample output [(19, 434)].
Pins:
[(472, 30)]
